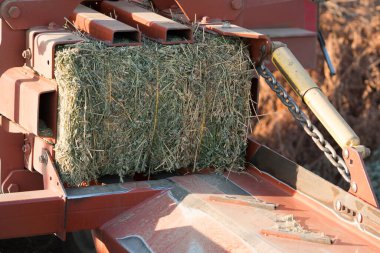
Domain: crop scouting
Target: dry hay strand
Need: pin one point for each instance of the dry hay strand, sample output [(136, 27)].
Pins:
[(152, 108)]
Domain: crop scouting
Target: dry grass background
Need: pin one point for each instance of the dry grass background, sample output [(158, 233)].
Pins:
[(352, 33)]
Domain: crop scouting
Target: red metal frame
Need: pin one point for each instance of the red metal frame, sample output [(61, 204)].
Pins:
[(151, 24), (105, 28), (36, 202)]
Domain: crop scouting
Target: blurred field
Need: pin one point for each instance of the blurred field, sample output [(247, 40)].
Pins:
[(352, 33)]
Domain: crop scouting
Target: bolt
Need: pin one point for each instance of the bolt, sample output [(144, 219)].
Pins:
[(43, 159), (226, 24), (338, 205), (354, 187), (26, 148), (359, 218), (14, 12), (13, 188), (237, 4), (27, 54), (346, 153)]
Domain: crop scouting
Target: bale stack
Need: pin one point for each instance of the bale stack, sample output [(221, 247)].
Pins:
[(152, 108)]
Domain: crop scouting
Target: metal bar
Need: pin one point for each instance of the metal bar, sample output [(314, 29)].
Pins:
[(309, 237), (326, 54), (305, 87), (30, 213), (89, 211), (244, 201), (105, 28), (154, 26)]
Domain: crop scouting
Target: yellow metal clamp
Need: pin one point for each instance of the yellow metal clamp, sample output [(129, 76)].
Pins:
[(312, 95)]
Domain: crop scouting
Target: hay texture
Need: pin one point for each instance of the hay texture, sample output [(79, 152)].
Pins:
[(152, 108)]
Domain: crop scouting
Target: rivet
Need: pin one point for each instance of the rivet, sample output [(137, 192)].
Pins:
[(14, 12), (338, 205), (354, 187), (359, 218), (346, 153)]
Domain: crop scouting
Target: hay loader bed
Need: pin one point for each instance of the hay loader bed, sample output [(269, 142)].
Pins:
[(274, 205)]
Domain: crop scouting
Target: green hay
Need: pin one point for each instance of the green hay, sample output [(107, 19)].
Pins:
[(152, 108)]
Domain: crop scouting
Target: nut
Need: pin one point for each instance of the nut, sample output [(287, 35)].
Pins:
[(27, 54), (14, 12)]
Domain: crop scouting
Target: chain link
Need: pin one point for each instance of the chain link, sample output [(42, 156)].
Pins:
[(305, 122)]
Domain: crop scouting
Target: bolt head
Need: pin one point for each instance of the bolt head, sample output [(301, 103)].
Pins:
[(359, 218), (27, 54), (14, 12), (338, 205), (42, 159), (346, 153), (354, 187)]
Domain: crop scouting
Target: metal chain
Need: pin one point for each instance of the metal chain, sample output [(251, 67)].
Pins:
[(305, 122)]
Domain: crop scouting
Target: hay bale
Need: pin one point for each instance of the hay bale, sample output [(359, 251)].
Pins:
[(152, 108)]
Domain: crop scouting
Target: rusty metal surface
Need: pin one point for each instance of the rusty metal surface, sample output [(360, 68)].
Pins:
[(152, 25), (360, 181), (20, 93), (105, 28)]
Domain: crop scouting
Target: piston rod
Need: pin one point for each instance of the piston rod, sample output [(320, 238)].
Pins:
[(311, 94)]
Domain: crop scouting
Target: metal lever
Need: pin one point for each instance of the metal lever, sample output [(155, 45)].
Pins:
[(326, 55)]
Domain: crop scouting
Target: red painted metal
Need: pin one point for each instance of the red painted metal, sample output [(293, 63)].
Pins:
[(172, 222), (154, 26), (20, 98), (30, 213), (254, 13), (11, 157), (33, 13), (44, 50), (165, 4), (360, 182), (37, 12), (22, 181), (105, 28), (90, 212)]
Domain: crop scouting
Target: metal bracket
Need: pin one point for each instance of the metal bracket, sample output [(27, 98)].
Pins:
[(360, 182), (42, 43)]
